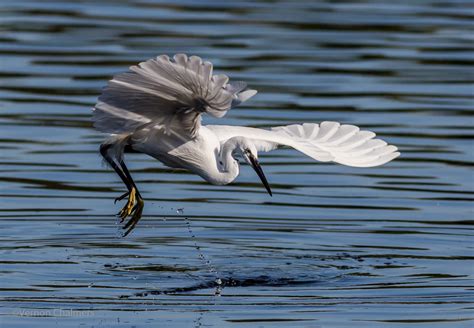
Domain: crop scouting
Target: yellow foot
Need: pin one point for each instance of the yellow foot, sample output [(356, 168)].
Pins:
[(128, 208), (136, 216), (133, 208)]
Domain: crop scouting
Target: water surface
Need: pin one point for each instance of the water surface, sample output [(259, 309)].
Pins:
[(335, 246)]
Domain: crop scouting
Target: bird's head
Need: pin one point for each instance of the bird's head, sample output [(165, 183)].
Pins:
[(246, 149)]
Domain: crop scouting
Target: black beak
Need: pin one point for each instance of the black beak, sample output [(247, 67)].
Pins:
[(256, 166)]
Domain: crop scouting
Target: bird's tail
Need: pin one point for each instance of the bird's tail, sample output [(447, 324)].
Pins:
[(344, 144)]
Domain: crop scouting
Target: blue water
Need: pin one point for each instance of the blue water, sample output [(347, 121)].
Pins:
[(335, 246)]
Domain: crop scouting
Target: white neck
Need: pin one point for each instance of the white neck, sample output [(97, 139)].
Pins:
[(227, 167)]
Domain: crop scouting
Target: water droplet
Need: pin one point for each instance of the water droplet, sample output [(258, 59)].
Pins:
[(203, 258), (218, 291)]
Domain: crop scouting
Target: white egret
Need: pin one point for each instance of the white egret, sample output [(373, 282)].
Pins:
[(155, 108)]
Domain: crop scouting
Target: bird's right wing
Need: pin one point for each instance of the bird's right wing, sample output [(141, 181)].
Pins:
[(168, 94), (325, 142)]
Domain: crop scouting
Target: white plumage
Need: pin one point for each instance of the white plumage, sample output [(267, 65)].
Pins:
[(167, 94), (325, 142), (156, 108)]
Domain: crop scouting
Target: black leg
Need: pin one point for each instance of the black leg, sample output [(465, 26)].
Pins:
[(138, 208), (104, 152), (135, 204), (129, 177)]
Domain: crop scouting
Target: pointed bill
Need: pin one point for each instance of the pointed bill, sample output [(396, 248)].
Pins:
[(256, 166)]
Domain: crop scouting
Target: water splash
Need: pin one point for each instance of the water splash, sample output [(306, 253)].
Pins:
[(203, 258)]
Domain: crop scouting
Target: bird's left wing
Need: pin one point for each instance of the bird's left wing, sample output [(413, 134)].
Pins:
[(168, 93), (325, 142)]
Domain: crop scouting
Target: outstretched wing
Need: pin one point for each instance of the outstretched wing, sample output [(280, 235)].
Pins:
[(328, 141), (170, 94)]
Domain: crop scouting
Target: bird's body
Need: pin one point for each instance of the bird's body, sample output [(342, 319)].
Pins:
[(156, 108), (199, 154)]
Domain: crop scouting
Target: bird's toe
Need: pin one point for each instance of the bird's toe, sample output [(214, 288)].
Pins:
[(137, 211), (121, 197), (128, 209)]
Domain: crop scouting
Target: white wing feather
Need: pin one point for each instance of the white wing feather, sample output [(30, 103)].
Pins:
[(171, 94), (328, 141)]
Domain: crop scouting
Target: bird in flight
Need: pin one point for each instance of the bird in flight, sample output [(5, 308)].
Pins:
[(155, 108)]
